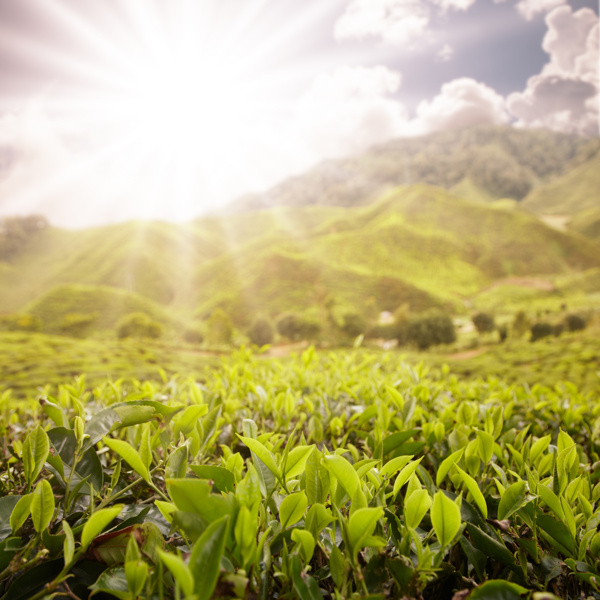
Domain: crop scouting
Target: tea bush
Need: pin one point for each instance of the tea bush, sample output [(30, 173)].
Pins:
[(323, 476)]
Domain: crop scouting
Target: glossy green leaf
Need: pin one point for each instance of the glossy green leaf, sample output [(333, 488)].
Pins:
[(69, 543), (446, 465), (344, 472), (180, 571), (42, 505), (296, 461), (317, 479), (98, 522), (130, 455), (292, 508), (20, 512), (317, 518), (265, 455), (445, 518), (361, 525), (405, 474), (205, 559), (551, 500), (35, 451), (393, 466), (415, 508), (112, 582), (513, 498), (306, 543), (474, 490), (498, 590), (223, 478)]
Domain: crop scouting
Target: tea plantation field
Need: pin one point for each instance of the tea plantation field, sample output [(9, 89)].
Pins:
[(340, 475)]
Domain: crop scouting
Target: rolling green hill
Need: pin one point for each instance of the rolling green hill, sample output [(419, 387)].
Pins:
[(587, 222), (576, 191), (481, 163)]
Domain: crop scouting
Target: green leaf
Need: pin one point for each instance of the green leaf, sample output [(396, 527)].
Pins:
[(292, 508), (393, 466), (112, 582), (317, 518), (360, 528), (205, 559), (296, 461), (306, 543), (486, 446), (8, 549), (7, 505), (304, 585), (42, 505), (194, 496), (491, 547), (223, 479), (513, 498), (557, 533), (20, 513), (473, 488), (265, 455), (317, 481), (344, 472), (133, 414), (498, 590), (394, 441), (337, 566), (551, 500), (35, 451), (405, 474), (55, 412), (445, 518), (69, 543), (97, 523), (180, 571), (130, 455), (99, 425), (446, 465), (186, 421), (538, 447), (415, 507), (177, 463)]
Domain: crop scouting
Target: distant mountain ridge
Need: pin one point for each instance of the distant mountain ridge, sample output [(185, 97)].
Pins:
[(485, 163)]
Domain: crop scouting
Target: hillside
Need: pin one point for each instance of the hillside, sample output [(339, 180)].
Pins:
[(587, 222), (482, 163), (418, 245), (575, 191)]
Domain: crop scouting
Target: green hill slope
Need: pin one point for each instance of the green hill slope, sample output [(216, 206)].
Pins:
[(587, 222), (484, 163), (575, 191), (90, 308)]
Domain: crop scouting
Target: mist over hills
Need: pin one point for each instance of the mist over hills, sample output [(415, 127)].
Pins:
[(481, 163), (348, 236)]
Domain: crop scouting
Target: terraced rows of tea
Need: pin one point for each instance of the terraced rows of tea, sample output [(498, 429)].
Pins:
[(321, 476)]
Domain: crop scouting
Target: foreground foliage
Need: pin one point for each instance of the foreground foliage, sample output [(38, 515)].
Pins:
[(331, 476)]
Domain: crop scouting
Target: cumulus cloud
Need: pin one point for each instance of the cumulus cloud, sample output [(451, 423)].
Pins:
[(462, 102), (530, 8), (394, 21), (564, 96), (349, 109)]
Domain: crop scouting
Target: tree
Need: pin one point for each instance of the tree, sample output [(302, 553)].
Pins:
[(520, 324), (261, 332), (295, 327), (219, 327), (427, 330), (540, 330), (353, 324), (138, 324), (484, 322), (574, 322)]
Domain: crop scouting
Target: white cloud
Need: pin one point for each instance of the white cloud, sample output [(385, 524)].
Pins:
[(445, 53), (454, 4), (564, 96), (530, 8), (394, 21), (462, 102), (347, 110)]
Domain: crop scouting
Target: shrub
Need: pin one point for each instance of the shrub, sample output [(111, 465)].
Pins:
[(502, 333), (77, 324), (138, 325), (540, 330), (520, 324), (353, 324), (20, 322), (295, 327), (193, 334), (384, 331), (574, 322), (219, 327), (261, 332), (427, 330), (484, 322)]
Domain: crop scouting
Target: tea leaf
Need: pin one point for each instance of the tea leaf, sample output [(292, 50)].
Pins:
[(42, 505), (513, 498), (130, 456), (97, 523), (292, 509), (445, 518)]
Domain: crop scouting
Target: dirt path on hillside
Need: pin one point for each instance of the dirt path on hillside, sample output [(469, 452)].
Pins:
[(466, 354), (528, 282)]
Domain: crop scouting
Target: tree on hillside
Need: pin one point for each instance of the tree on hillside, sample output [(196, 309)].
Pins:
[(484, 322), (296, 327), (427, 330), (138, 324), (219, 327), (261, 332), (520, 324)]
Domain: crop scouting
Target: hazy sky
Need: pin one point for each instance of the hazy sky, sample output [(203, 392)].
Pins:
[(120, 109)]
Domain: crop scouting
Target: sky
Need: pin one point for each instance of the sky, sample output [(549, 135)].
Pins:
[(168, 109)]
